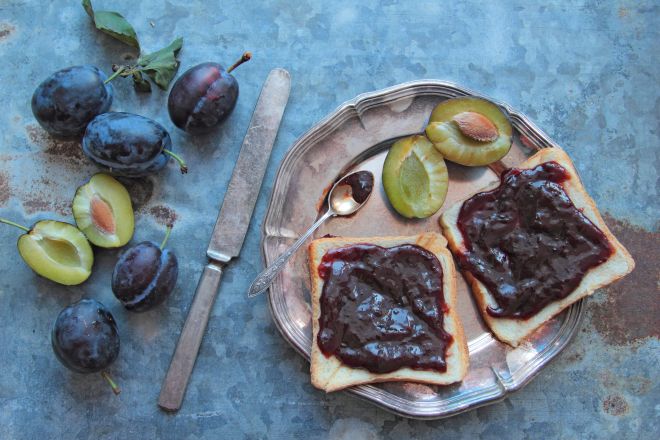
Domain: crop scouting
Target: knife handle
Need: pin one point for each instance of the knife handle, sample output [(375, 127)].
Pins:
[(183, 361)]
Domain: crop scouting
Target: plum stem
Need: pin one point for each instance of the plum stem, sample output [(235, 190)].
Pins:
[(115, 74), (246, 57), (182, 164), (113, 385), (4, 220), (167, 235)]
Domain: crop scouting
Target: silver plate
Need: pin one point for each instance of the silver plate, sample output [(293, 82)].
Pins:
[(356, 136)]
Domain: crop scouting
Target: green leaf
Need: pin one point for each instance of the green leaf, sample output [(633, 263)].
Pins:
[(162, 65), (116, 26), (113, 24)]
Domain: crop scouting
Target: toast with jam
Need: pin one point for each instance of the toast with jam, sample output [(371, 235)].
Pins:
[(532, 245), (384, 310)]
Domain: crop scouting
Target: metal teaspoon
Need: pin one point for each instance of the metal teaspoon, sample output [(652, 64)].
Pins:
[(348, 195)]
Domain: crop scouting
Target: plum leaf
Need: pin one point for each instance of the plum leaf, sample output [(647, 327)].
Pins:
[(162, 65), (113, 24)]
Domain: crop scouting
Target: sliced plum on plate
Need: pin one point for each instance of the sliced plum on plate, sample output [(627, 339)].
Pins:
[(470, 131), (415, 177)]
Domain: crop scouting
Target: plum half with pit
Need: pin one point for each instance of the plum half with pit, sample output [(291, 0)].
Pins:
[(204, 96), (66, 101), (470, 131), (128, 145), (103, 211), (145, 275), (55, 250), (85, 338)]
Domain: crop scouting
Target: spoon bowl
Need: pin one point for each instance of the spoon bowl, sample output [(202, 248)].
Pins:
[(351, 192)]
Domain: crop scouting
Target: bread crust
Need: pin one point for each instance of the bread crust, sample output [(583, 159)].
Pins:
[(330, 374), (620, 263)]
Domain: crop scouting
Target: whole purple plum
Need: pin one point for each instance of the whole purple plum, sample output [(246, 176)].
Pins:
[(66, 101), (204, 96), (145, 275)]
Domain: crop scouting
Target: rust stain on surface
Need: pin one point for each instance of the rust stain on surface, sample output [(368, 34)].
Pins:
[(163, 215), (623, 12), (615, 405), (6, 29), (5, 189), (618, 380), (34, 204), (140, 189), (631, 310), (56, 150), (45, 195)]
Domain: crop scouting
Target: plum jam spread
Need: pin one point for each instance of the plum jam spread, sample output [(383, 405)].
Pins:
[(383, 308), (361, 184), (527, 242)]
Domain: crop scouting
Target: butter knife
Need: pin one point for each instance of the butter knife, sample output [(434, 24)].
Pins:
[(229, 231)]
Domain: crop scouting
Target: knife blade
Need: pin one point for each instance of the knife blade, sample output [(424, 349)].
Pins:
[(229, 231), (237, 207)]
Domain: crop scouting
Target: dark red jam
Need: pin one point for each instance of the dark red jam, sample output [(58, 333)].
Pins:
[(383, 308), (527, 242), (361, 184)]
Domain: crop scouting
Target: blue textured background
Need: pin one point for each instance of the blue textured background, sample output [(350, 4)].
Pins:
[(586, 71)]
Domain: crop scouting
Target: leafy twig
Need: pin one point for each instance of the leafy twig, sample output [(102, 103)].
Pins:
[(161, 66)]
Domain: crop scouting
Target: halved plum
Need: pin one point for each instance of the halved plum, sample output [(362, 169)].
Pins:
[(470, 131), (103, 211), (56, 250), (415, 177)]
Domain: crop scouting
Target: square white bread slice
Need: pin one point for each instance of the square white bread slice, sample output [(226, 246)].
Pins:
[(620, 263), (330, 374)]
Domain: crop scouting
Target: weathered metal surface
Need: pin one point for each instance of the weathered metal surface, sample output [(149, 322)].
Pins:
[(586, 72)]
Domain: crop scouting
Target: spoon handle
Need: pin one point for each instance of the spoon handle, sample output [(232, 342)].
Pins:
[(265, 278)]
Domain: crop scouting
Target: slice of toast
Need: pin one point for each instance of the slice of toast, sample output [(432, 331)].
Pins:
[(330, 374), (620, 263)]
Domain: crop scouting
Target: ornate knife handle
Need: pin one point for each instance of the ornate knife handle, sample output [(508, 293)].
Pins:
[(265, 278)]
